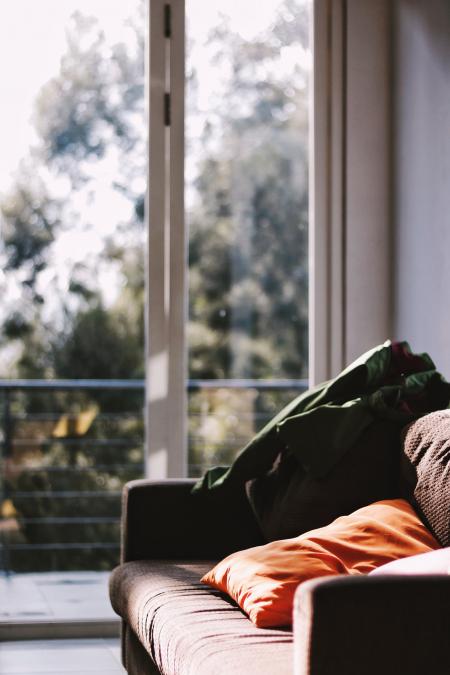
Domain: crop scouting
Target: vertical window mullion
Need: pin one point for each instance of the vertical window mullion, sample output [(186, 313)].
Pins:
[(165, 306), (327, 192), (178, 253)]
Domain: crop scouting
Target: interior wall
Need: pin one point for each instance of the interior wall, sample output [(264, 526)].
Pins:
[(421, 189)]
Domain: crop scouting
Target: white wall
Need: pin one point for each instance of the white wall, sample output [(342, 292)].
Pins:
[(421, 181)]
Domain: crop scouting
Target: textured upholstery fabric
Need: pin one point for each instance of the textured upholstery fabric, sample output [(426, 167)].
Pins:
[(192, 527), (426, 466), (191, 630), (137, 661)]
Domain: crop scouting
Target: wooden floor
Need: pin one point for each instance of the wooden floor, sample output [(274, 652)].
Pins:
[(58, 657)]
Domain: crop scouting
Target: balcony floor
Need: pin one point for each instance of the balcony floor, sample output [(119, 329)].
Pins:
[(58, 657), (56, 604)]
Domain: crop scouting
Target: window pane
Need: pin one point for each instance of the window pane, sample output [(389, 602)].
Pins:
[(248, 67), (72, 184)]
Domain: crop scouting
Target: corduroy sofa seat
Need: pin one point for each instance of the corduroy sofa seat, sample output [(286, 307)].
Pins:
[(190, 630)]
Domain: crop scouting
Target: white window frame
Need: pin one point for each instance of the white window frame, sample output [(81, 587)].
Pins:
[(350, 182), (166, 274)]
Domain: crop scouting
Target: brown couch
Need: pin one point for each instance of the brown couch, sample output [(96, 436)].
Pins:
[(172, 624)]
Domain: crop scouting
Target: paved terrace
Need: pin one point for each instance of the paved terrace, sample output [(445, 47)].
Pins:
[(61, 657), (56, 604)]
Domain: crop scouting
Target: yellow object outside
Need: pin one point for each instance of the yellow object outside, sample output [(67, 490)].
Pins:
[(75, 425), (7, 509)]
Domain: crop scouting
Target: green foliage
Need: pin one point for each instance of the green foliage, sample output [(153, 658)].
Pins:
[(100, 343), (16, 327), (29, 219), (65, 484), (248, 228), (94, 101)]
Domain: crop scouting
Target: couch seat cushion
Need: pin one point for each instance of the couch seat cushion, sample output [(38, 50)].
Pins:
[(189, 629)]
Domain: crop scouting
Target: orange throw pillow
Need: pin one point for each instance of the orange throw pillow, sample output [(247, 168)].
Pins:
[(263, 580)]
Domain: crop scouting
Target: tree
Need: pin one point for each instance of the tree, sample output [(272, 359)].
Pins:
[(90, 120)]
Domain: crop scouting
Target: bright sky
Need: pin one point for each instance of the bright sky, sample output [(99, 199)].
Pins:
[(248, 17), (32, 40)]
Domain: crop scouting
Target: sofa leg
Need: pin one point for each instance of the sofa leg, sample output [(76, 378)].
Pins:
[(135, 658)]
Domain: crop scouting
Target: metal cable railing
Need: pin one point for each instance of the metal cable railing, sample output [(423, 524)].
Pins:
[(68, 446)]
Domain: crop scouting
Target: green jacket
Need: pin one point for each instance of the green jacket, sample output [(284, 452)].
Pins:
[(387, 383)]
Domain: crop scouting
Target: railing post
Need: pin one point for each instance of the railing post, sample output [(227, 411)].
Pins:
[(5, 455), (2, 498)]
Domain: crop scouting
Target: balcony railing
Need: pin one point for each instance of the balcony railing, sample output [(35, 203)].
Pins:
[(68, 446)]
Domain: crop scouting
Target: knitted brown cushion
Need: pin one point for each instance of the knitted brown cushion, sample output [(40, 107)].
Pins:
[(426, 470)]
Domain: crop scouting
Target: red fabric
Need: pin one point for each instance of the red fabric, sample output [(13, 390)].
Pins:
[(404, 362)]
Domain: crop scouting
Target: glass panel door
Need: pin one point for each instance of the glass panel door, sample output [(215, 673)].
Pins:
[(72, 184), (247, 100)]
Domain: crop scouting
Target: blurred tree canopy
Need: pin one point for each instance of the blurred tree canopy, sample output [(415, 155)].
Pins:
[(90, 123), (247, 219)]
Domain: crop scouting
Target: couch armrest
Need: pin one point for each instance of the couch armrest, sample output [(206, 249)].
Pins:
[(163, 519), (372, 625)]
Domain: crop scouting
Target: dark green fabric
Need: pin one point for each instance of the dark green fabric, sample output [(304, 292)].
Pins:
[(288, 500), (387, 383)]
